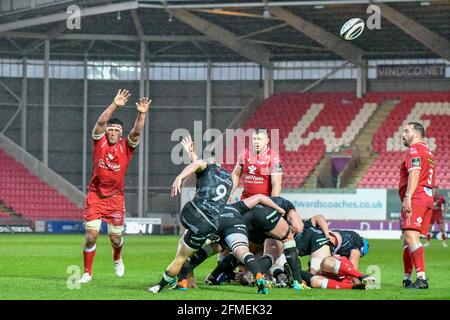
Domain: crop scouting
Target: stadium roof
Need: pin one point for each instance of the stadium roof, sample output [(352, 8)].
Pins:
[(218, 30)]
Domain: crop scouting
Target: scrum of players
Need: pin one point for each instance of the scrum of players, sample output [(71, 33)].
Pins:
[(261, 235)]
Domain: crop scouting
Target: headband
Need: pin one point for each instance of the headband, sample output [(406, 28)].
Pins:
[(115, 126)]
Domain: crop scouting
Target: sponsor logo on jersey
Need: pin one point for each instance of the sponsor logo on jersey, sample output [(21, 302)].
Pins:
[(418, 222), (278, 167), (413, 150), (109, 165), (415, 162), (109, 156), (253, 179)]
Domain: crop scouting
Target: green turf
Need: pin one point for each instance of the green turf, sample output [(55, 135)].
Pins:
[(35, 267)]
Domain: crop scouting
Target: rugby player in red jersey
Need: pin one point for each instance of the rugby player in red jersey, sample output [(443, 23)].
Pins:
[(261, 171), (439, 209), (260, 168), (105, 199), (417, 176)]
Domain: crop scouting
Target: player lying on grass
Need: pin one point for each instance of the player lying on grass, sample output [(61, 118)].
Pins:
[(345, 243), (328, 271), (349, 244), (200, 215)]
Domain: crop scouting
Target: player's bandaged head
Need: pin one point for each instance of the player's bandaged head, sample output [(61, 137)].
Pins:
[(365, 247), (115, 124)]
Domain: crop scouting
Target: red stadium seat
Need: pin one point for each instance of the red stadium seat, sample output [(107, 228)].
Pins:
[(29, 196), (388, 162)]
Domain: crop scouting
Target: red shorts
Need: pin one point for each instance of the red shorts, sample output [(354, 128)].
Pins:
[(418, 219), (342, 279), (111, 209), (335, 276), (437, 218), (347, 280)]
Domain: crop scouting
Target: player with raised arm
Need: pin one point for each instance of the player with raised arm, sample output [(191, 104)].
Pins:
[(417, 176), (105, 200), (200, 215), (232, 234)]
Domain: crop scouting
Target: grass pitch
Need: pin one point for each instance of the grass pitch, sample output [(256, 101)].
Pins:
[(42, 266)]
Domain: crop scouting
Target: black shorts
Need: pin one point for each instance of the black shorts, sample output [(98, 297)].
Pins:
[(310, 240), (198, 227), (257, 237), (262, 218), (231, 225)]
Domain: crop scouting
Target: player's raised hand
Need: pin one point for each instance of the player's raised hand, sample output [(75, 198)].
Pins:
[(121, 98), (188, 144), (143, 105), (176, 187)]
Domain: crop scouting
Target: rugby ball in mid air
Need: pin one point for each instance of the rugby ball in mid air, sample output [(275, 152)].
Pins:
[(352, 29)]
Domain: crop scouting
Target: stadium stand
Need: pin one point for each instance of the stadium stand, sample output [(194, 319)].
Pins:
[(431, 108), (30, 197), (311, 124), (315, 123), (4, 214)]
